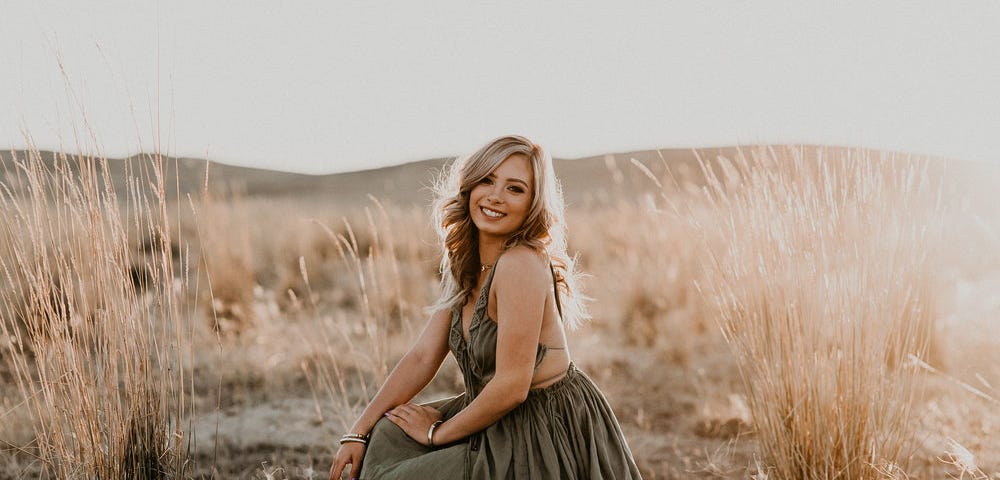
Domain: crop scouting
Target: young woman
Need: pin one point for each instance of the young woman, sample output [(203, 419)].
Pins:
[(507, 295)]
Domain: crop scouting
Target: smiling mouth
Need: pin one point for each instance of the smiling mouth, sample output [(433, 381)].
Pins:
[(492, 213)]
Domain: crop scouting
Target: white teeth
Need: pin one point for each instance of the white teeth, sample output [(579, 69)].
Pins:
[(491, 213)]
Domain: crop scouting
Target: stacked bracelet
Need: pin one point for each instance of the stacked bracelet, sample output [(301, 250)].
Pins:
[(430, 432), (354, 437)]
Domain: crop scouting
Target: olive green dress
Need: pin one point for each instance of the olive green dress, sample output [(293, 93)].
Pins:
[(563, 431)]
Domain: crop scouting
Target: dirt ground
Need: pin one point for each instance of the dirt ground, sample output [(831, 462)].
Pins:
[(680, 422)]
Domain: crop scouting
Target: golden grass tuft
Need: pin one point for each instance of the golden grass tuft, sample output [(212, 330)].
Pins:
[(98, 359), (227, 261), (823, 288)]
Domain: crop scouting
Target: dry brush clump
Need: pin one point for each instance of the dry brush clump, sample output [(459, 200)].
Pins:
[(98, 359), (226, 260), (643, 269), (298, 296), (824, 290)]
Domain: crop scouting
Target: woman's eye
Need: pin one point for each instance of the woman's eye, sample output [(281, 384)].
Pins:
[(516, 189), (486, 181)]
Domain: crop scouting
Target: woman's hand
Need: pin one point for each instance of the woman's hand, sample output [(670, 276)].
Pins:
[(415, 420), (350, 453)]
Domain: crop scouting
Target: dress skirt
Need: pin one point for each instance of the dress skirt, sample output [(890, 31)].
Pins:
[(564, 431)]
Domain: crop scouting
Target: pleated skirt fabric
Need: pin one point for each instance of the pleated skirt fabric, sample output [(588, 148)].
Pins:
[(564, 431)]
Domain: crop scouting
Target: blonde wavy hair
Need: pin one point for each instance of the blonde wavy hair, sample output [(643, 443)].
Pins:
[(544, 227)]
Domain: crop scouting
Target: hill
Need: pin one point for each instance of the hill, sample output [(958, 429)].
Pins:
[(584, 179)]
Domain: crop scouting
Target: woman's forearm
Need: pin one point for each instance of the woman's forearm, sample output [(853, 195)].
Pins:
[(499, 396), (410, 375)]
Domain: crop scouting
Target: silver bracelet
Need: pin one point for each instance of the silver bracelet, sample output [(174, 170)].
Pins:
[(430, 432)]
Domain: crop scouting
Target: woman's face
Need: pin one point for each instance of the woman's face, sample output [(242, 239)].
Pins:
[(499, 203)]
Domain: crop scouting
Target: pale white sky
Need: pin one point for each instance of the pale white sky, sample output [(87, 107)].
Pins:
[(325, 86)]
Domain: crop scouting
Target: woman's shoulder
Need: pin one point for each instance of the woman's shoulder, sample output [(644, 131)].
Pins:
[(523, 263)]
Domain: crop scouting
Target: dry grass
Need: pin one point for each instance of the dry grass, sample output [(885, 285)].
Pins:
[(355, 352), (824, 290), (97, 353)]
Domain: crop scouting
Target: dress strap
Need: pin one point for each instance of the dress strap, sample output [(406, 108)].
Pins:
[(555, 288)]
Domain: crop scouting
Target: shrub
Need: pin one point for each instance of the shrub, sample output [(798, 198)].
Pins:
[(99, 362), (824, 289)]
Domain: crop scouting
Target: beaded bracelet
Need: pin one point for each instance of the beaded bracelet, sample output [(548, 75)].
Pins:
[(354, 437)]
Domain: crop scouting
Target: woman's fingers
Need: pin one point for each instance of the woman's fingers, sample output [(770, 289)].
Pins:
[(337, 469), (414, 419), (431, 411), (409, 410), (403, 412), (349, 454), (396, 418), (356, 469), (404, 409)]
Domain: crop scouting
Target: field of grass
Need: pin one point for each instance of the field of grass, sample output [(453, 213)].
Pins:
[(782, 313)]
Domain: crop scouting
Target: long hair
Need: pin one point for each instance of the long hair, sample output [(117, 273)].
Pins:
[(544, 227)]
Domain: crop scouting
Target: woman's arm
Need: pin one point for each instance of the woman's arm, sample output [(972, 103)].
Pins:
[(413, 372), (521, 284)]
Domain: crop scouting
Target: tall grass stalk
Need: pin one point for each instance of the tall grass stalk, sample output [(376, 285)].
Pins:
[(97, 346), (824, 288), (356, 353)]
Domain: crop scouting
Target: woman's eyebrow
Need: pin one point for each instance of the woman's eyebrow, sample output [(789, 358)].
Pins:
[(514, 179)]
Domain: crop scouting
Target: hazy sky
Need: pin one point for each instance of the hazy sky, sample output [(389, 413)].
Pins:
[(324, 86)]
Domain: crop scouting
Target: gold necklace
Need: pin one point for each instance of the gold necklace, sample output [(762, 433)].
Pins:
[(485, 267)]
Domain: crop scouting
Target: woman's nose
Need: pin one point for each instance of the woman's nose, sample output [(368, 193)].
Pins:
[(494, 195)]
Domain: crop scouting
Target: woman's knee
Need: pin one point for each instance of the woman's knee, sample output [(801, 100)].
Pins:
[(383, 427)]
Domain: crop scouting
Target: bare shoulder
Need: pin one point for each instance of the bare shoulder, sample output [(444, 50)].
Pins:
[(522, 264)]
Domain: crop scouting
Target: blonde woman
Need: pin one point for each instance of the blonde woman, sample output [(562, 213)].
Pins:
[(508, 294)]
